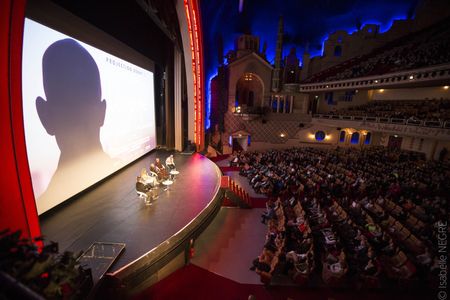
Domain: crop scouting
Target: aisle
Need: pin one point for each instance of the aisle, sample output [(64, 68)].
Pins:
[(230, 243)]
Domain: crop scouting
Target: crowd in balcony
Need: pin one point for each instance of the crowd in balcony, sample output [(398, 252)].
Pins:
[(416, 110), (366, 216), (429, 47), (406, 57)]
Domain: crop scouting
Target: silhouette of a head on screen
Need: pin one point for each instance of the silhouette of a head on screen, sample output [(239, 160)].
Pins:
[(73, 110)]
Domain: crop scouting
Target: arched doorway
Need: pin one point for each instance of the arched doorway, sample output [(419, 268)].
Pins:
[(240, 140), (395, 142), (249, 91)]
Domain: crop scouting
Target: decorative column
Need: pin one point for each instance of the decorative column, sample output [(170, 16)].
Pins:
[(177, 101), (192, 10), (278, 53), (291, 107)]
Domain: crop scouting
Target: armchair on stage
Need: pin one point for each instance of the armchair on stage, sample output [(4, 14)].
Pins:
[(147, 183)]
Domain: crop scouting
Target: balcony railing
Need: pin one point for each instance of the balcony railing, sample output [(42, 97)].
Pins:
[(404, 77), (399, 121)]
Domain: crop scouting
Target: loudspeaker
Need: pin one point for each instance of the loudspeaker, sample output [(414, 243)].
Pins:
[(301, 125), (190, 148)]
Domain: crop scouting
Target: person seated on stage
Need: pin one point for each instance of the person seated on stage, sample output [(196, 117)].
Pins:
[(170, 163), (159, 164), (149, 179), (144, 175), (161, 170), (147, 189), (142, 187), (155, 172)]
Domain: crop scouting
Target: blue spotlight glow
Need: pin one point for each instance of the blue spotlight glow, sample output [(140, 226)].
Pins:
[(208, 101)]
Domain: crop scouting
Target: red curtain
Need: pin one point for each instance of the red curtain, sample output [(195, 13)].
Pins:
[(17, 205)]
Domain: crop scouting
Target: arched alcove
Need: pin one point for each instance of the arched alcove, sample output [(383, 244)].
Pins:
[(338, 50), (249, 90)]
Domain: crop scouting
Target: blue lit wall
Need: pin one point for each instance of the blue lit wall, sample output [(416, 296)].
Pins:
[(305, 22)]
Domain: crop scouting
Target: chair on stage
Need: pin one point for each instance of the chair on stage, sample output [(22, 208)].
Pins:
[(144, 196)]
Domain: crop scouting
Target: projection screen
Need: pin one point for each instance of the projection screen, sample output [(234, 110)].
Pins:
[(86, 113)]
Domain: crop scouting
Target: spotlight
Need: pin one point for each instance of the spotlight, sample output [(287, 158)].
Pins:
[(446, 87)]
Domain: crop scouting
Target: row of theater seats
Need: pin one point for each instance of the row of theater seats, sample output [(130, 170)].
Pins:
[(372, 213), (288, 247), (426, 48)]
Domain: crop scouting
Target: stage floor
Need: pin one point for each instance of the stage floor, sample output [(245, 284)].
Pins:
[(112, 211)]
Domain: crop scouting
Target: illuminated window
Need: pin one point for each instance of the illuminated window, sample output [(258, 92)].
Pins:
[(287, 104), (320, 135), (355, 138), (368, 138), (329, 98), (348, 96), (274, 105)]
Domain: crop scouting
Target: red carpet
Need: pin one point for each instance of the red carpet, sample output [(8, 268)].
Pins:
[(258, 202), (193, 282), (219, 157), (229, 169), (228, 203)]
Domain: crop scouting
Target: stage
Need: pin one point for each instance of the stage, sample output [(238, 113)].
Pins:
[(112, 212)]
